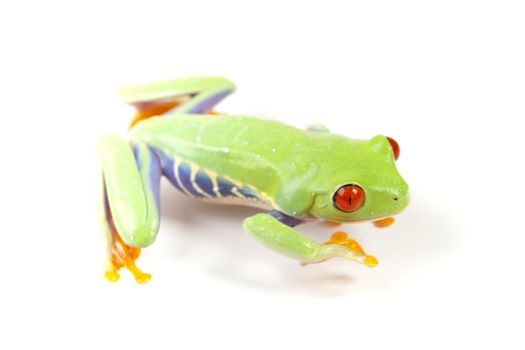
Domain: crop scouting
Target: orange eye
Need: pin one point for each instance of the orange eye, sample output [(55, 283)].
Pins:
[(395, 146), (349, 198)]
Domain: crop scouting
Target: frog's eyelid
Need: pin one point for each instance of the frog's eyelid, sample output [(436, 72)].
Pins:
[(395, 147)]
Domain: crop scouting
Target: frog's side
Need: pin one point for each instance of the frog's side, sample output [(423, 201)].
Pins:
[(296, 174)]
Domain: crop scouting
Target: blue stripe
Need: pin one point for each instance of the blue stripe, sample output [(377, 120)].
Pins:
[(201, 179), (185, 179), (153, 172), (248, 192), (167, 168), (225, 187), (285, 219), (209, 102), (204, 182)]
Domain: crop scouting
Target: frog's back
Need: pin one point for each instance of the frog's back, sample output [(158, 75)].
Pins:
[(203, 133), (250, 153)]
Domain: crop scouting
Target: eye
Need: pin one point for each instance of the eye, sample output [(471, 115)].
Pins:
[(349, 198), (395, 146)]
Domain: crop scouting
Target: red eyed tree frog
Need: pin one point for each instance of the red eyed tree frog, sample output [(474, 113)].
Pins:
[(295, 175)]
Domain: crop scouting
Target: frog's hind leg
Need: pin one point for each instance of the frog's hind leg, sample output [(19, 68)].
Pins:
[(196, 95), (130, 210), (146, 110), (119, 253)]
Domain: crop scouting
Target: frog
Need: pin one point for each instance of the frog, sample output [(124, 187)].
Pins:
[(293, 175)]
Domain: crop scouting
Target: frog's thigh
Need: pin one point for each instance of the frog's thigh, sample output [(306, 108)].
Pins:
[(274, 234), (204, 92), (131, 181)]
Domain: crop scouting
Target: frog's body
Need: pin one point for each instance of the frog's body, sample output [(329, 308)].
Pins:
[(206, 157), (238, 159)]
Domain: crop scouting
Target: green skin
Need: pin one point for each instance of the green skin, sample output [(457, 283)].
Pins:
[(295, 171)]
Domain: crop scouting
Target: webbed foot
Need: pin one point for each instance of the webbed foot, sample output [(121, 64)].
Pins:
[(340, 245), (123, 255)]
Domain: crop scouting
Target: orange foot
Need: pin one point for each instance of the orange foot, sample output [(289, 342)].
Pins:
[(122, 255), (332, 223), (384, 222), (341, 238)]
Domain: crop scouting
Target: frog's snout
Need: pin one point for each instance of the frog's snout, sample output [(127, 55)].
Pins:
[(400, 193), (401, 200)]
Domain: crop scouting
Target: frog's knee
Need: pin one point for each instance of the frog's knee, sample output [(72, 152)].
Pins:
[(142, 236)]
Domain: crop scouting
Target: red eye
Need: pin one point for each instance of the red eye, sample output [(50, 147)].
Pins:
[(349, 198), (395, 146)]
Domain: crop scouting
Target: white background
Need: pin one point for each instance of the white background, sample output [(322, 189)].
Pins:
[(445, 78)]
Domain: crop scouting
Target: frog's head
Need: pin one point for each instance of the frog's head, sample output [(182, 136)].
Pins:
[(361, 182)]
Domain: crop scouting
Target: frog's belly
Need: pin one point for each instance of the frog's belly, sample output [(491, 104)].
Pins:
[(195, 181)]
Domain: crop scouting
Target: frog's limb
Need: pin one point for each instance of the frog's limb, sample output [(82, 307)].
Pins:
[(283, 239), (155, 108), (384, 222), (131, 178), (342, 239), (195, 95), (332, 223)]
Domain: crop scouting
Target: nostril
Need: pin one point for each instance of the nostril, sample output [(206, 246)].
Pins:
[(395, 199)]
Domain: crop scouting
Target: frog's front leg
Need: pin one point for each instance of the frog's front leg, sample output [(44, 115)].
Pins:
[(279, 236), (130, 214)]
